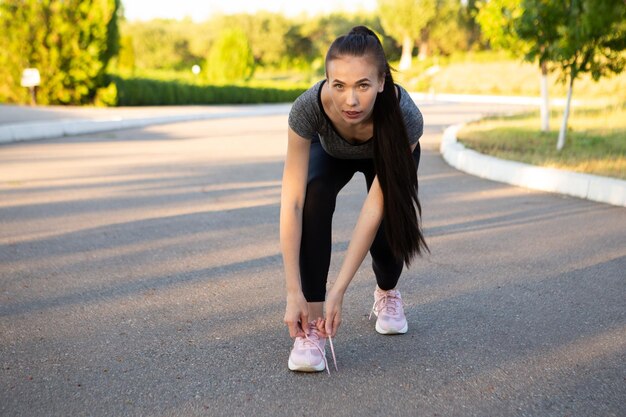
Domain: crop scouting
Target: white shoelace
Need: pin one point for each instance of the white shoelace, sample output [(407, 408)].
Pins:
[(316, 344), (386, 302)]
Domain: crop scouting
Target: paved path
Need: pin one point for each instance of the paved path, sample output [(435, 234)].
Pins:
[(10, 114), (140, 274)]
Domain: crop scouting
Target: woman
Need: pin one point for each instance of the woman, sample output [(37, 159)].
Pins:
[(356, 119)]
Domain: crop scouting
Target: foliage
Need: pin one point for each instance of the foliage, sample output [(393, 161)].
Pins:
[(126, 58), (591, 35), (106, 96), (277, 42), (497, 20), (575, 36), (323, 30), (401, 18), (148, 92), (406, 21), (598, 145), (495, 73), (265, 31), (159, 44), (582, 36), (113, 33), (449, 30), (69, 42), (230, 58)]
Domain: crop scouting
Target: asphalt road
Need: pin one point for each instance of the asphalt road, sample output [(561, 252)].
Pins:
[(140, 274)]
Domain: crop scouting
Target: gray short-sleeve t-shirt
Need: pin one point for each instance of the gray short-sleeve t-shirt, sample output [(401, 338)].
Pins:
[(308, 119)]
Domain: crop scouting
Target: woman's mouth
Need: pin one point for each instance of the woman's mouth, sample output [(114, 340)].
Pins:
[(352, 114)]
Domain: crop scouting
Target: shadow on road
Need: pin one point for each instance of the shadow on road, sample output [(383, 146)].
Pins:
[(149, 281)]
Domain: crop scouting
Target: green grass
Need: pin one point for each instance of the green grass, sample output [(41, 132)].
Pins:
[(596, 140), (496, 74)]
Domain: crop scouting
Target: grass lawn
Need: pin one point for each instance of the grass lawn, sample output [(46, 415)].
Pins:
[(596, 140), (496, 74)]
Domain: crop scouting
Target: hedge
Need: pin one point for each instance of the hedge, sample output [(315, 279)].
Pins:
[(149, 92)]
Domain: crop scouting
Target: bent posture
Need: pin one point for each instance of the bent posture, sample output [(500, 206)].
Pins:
[(356, 119)]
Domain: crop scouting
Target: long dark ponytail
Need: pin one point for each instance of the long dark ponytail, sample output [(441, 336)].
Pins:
[(394, 164)]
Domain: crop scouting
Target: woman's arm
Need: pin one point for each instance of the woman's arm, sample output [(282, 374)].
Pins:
[(362, 238), (291, 205)]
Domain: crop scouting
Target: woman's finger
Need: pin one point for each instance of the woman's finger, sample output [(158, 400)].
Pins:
[(295, 330), (304, 322), (336, 323), (329, 324)]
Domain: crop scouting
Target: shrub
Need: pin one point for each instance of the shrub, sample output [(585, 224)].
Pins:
[(230, 58), (106, 96), (148, 92)]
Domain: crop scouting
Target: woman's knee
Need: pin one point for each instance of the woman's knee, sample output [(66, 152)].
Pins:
[(320, 197)]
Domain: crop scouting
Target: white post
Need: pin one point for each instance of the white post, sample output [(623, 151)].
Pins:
[(561, 142), (407, 53), (545, 103)]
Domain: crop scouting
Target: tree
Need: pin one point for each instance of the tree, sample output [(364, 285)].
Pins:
[(113, 32), (586, 36), (323, 29), (405, 20), (230, 58), (267, 32), (162, 44), (448, 31), (70, 42), (16, 37), (501, 22)]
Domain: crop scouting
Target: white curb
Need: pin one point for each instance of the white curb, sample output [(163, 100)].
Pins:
[(591, 187)]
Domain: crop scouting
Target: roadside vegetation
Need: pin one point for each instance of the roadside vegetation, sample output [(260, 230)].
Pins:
[(496, 73), (596, 141)]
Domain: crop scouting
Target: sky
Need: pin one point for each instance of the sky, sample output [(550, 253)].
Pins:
[(200, 10)]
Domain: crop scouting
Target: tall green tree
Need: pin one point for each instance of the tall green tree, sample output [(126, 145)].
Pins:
[(586, 36), (230, 58), (162, 44), (447, 31), (501, 23), (323, 30), (70, 43), (16, 37), (404, 20)]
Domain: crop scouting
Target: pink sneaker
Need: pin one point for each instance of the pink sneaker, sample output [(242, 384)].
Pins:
[(388, 308), (309, 353)]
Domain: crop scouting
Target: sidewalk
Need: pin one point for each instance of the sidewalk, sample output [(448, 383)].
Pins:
[(19, 123)]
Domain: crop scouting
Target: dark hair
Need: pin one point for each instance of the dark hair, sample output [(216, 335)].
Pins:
[(394, 164)]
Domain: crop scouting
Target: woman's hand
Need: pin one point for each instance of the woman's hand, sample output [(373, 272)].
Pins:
[(297, 314), (334, 301)]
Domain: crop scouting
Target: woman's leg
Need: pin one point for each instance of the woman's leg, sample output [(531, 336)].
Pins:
[(387, 268), (327, 176)]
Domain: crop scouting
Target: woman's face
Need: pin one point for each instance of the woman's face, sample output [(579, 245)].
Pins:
[(353, 83)]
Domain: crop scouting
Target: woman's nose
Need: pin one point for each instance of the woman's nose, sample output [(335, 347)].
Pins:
[(352, 100)]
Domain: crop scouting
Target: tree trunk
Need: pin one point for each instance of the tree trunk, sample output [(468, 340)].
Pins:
[(423, 52), (545, 103), (561, 142), (407, 53)]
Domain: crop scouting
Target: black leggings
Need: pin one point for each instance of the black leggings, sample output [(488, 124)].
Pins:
[(327, 176)]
